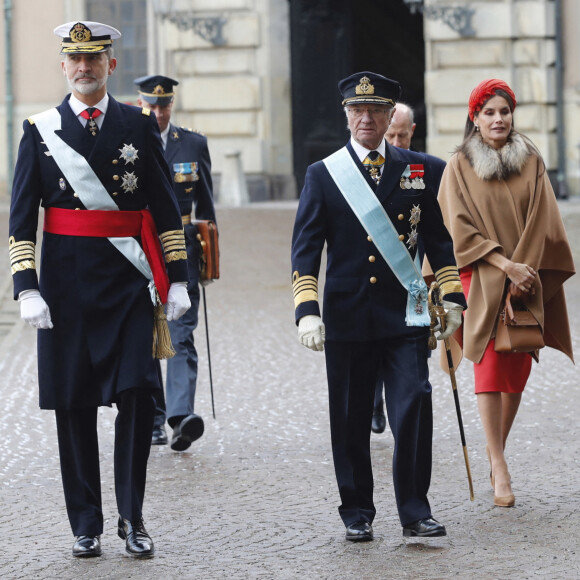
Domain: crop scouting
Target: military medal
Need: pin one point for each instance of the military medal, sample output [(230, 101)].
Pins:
[(129, 183), (129, 154), (62, 184), (185, 172), (412, 177)]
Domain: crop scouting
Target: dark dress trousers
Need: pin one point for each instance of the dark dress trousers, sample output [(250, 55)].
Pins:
[(100, 349), (184, 148), (364, 314)]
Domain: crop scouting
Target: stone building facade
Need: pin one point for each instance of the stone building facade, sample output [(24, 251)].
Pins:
[(233, 61)]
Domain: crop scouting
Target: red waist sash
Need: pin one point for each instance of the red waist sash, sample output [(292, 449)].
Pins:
[(113, 224)]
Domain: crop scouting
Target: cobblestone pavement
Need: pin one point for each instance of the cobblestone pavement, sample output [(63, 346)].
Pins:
[(255, 497)]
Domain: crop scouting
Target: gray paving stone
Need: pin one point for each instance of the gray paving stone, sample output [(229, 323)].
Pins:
[(255, 497)]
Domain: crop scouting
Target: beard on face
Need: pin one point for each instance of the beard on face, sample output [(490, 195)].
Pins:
[(86, 88)]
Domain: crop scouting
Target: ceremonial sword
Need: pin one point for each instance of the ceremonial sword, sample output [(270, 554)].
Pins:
[(437, 313)]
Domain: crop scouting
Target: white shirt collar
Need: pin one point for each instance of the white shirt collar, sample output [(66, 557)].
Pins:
[(78, 107), (362, 152), (164, 135)]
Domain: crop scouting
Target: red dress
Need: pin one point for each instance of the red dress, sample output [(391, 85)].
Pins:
[(498, 371)]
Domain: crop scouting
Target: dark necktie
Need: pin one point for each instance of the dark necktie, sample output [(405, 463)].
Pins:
[(90, 115), (373, 163)]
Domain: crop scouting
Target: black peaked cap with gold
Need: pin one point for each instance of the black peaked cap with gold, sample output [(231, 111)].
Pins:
[(369, 87), (86, 37), (156, 89)]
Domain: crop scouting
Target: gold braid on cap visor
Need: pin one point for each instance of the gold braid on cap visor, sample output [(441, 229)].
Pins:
[(369, 99)]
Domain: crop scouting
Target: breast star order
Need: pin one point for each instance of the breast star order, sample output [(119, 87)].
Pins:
[(415, 215), (129, 184), (129, 153), (412, 241)]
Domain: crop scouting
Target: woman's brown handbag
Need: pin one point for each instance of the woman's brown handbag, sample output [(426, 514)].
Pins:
[(207, 235), (517, 330)]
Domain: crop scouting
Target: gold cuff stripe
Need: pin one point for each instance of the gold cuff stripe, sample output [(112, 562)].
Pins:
[(450, 288), (304, 285), (305, 289), (186, 219), (176, 245), (174, 256), (171, 233), (21, 254), (448, 280), (20, 250), (21, 266), (306, 296), (173, 241)]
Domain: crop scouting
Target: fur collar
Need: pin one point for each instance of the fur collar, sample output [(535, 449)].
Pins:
[(489, 163)]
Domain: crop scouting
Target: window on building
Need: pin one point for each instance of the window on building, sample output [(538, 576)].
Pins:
[(130, 17)]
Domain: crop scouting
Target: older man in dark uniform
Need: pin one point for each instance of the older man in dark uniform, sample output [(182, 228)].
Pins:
[(187, 155), (368, 203), (97, 168)]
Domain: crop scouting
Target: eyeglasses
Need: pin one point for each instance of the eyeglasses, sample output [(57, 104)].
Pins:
[(373, 112)]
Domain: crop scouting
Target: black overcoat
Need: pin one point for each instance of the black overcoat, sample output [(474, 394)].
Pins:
[(100, 304)]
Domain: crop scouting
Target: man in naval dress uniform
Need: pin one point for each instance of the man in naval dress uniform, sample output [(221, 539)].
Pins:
[(187, 155), (369, 205), (399, 134), (95, 165)]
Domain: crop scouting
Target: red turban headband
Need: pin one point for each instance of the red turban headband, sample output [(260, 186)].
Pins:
[(484, 91)]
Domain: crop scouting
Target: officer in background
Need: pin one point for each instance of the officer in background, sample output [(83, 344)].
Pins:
[(187, 155), (399, 134), (368, 204), (96, 166)]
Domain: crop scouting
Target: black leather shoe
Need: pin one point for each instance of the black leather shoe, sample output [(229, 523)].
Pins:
[(159, 436), (186, 432), (427, 528), (87, 547), (138, 542), (379, 420), (359, 532)]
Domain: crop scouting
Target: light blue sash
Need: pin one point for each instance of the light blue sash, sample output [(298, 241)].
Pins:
[(88, 187), (376, 222)]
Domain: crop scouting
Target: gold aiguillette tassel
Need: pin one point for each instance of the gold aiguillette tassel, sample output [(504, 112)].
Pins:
[(162, 345)]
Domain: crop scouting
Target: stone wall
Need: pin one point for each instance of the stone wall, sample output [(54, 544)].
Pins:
[(238, 93), (514, 41)]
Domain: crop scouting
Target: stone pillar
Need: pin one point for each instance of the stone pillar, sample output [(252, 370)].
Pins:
[(233, 189)]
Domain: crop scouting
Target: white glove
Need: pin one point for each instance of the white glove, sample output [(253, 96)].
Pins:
[(34, 310), (178, 302), (311, 332), (453, 319)]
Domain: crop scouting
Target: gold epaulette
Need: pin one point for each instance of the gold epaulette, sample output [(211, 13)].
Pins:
[(448, 280), (145, 111), (21, 255), (30, 120), (173, 243), (305, 288), (193, 131)]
